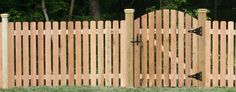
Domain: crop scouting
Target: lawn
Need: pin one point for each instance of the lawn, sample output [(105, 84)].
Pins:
[(112, 89)]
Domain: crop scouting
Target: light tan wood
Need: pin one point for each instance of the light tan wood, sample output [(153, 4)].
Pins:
[(116, 53), (63, 53), (100, 54), (158, 49), (55, 48), (151, 48), (33, 53), (85, 53), (166, 47), (207, 54), (144, 51), (137, 53), (71, 53), (180, 49), (18, 55), (188, 50), (1, 85), (10, 55), (215, 57), (123, 53), (25, 55), (40, 54), (222, 54), (78, 56), (173, 48), (231, 54), (48, 53), (108, 52), (195, 52), (93, 53)]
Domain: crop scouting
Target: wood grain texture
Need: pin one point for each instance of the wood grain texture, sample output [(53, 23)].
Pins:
[(166, 47), (230, 53), (173, 48), (215, 57), (144, 51), (1, 55), (222, 54), (78, 56), (195, 52), (55, 52), (151, 49), (137, 53), (71, 53), (181, 49), (85, 53), (108, 52), (188, 51), (40, 54), (207, 54), (158, 48), (63, 53), (48, 53), (115, 45), (100, 54), (10, 55), (25, 54), (93, 53), (123, 53), (18, 55), (33, 53)]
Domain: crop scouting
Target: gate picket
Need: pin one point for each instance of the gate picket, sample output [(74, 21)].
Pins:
[(137, 54), (188, 50), (116, 53), (180, 49), (144, 50), (215, 57), (195, 52), (158, 48)]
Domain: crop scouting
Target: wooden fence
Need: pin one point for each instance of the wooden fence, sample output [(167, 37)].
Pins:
[(95, 52)]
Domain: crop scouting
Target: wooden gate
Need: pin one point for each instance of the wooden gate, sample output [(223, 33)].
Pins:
[(166, 49)]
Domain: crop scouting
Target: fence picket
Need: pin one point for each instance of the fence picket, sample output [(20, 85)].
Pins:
[(93, 52), (71, 53), (40, 54), (215, 57), (123, 55), (48, 53), (173, 48), (78, 53), (151, 49), (11, 55), (207, 54), (230, 53), (100, 54), (158, 48), (63, 53), (33, 53), (18, 55), (137, 54), (222, 54), (144, 51), (108, 52), (85, 53), (180, 49), (116, 53), (55, 54), (195, 52), (25, 55), (188, 50)]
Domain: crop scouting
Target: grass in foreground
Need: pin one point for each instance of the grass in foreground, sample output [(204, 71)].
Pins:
[(112, 89)]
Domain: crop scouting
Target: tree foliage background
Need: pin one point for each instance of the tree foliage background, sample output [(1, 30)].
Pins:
[(31, 10)]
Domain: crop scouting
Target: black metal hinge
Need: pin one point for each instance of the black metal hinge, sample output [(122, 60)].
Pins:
[(137, 40), (197, 76), (197, 31)]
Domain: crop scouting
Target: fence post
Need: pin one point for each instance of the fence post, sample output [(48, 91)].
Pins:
[(201, 45), (4, 50), (129, 19)]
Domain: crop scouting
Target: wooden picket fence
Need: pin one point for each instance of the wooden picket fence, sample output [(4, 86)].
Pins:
[(94, 52)]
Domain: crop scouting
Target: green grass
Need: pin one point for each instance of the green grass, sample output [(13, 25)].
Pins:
[(112, 89)]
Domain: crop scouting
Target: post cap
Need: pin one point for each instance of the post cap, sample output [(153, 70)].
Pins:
[(4, 15), (202, 10), (129, 10)]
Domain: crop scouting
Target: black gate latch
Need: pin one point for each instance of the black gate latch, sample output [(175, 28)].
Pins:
[(197, 31), (197, 76), (137, 40)]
